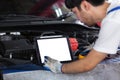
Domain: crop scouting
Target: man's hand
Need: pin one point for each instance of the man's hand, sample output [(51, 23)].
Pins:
[(52, 64)]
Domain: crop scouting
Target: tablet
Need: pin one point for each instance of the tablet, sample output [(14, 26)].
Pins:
[(55, 47)]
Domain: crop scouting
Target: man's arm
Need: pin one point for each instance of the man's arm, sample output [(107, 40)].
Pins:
[(88, 63)]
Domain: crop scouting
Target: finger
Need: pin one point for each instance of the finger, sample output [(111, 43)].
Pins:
[(45, 60), (46, 57), (49, 59)]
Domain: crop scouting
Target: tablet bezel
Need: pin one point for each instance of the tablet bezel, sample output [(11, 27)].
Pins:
[(52, 37)]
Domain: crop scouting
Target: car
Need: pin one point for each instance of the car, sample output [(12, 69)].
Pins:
[(22, 21)]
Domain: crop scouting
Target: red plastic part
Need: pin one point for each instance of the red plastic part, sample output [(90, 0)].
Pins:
[(73, 44)]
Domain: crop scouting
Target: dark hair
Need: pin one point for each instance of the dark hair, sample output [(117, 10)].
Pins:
[(76, 3)]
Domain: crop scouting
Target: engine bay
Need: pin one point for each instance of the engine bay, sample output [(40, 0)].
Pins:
[(21, 45)]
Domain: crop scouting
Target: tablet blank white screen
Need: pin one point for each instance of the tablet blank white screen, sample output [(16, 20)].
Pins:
[(56, 48)]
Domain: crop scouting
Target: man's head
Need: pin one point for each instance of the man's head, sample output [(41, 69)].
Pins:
[(88, 11)]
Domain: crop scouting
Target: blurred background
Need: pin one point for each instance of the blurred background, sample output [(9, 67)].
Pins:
[(43, 8)]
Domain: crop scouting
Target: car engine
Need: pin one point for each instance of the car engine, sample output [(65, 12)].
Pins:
[(21, 45)]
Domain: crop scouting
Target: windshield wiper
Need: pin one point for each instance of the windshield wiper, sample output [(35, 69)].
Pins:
[(66, 15)]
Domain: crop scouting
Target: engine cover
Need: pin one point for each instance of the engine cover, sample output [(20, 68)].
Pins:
[(18, 49)]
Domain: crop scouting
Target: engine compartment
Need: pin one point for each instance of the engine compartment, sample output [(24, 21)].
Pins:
[(21, 45), (18, 45)]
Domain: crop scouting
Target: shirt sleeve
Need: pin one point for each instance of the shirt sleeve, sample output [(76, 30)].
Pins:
[(109, 37)]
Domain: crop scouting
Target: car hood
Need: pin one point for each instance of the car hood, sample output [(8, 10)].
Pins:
[(28, 22)]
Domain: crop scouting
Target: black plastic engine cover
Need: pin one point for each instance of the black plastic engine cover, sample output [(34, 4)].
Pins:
[(18, 49)]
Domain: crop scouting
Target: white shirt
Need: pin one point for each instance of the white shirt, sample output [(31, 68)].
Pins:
[(109, 37)]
